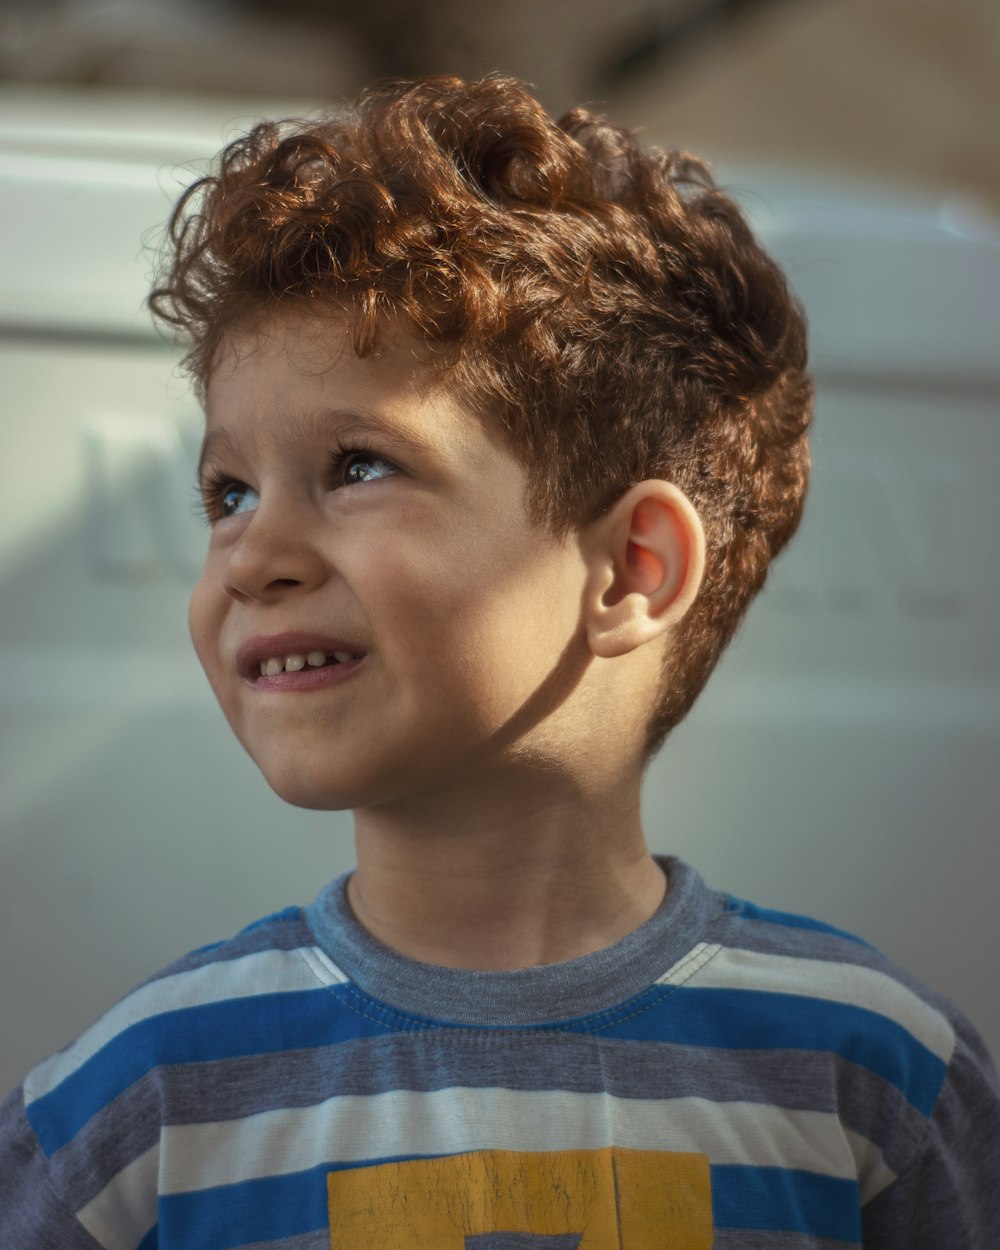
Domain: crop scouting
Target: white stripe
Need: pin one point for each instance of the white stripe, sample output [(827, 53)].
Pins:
[(874, 1174), (265, 972), (126, 1209), (351, 1129), (851, 984), (324, 969), (696, 958)]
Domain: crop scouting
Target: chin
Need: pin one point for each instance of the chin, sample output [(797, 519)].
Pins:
[(309, 793), (309, 788), (309, 779), (314, 801)]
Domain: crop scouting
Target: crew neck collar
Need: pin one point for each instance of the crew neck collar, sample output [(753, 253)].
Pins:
[(540, 995)]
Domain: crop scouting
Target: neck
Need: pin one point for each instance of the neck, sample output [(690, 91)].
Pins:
[(502, 884)]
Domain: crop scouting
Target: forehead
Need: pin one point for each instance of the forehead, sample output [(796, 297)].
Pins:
[(293, 377)]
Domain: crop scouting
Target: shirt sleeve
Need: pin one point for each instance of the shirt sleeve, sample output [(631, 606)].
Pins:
[(32, 1216), (949, 1193)]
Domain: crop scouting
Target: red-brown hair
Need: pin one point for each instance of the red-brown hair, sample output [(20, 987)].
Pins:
[(608, 305)]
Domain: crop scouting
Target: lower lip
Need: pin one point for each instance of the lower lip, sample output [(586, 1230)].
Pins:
[(308, 678)]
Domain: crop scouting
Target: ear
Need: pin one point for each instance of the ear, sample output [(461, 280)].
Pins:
[(647, 559)]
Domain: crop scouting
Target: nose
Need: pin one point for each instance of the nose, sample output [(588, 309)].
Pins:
[(272, 556)]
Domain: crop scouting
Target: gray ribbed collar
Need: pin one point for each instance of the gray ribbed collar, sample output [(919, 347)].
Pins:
[(541, 995)]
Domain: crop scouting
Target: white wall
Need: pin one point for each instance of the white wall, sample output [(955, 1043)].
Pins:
[(842, 761)]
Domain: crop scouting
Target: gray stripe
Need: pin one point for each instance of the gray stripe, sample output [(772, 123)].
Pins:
[(806, 1081), (725, 1239), (740, 1239), (319, 1240), (549, 993), (112, 1139), (749, 934), (288, 933), (236, 1088)]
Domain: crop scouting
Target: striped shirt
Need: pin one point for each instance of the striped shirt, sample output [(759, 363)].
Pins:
[(725, 1076)]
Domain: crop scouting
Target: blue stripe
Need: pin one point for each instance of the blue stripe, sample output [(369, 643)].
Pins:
[(755, 1020), (254, 1211), (723, 1019), (233, 1028), (150, 1241), (781, 1199), (788, 919)]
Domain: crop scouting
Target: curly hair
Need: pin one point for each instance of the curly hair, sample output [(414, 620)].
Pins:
[(606, 304)]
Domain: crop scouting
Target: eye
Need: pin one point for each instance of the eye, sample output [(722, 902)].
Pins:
[(364, 466), (223, 497), (236, 498)]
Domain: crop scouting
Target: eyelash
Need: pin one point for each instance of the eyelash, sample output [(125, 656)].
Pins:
[(210, 491)]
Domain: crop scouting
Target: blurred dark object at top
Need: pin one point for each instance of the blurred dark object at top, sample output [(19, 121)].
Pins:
[(905, 91), (670, 31), (324, 49)]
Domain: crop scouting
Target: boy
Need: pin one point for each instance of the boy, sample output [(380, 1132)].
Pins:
[(505, 421)]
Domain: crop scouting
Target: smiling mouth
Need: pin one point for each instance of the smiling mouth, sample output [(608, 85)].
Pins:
[(330, 672), (298, 662)]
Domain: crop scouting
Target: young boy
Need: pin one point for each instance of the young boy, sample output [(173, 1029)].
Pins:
[(505, 421)]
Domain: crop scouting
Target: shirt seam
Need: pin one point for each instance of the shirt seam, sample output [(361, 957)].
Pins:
[(368, 1008), (922, 1142), (59, 1199)]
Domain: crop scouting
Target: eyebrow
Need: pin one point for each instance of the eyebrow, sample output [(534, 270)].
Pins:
[(347, 423)]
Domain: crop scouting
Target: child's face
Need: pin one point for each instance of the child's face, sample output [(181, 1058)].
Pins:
[(361, 509)]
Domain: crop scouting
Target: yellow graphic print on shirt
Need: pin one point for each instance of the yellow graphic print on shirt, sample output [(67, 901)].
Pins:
[(610, 1199)]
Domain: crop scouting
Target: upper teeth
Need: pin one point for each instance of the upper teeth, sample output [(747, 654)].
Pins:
[(295, 663)]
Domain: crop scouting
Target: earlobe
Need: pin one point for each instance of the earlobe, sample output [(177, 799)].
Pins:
[(648, 564)]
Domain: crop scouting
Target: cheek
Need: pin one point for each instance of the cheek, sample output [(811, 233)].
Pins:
[(200, 621)]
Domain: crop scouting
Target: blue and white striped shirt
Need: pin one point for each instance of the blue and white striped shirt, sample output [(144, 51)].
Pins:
[(725, 1077)]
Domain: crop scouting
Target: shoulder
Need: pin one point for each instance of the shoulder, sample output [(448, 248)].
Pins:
[(782, 952), (901, 1057), (217, 1001), (79, 1141), (93, 1113), (834, 991)]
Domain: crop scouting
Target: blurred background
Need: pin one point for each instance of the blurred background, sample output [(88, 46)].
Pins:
[(845, 758)]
